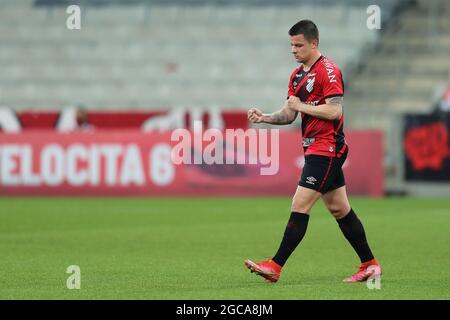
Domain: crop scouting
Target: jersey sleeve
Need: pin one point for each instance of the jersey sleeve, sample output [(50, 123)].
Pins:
[(332, 83)]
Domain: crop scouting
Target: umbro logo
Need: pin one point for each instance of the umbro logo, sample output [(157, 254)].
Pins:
[(311, 180)]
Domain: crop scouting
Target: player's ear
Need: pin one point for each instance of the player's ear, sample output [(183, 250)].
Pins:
[(315, 43)]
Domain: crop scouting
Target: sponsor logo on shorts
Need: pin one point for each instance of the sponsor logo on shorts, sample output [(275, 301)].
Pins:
[(311, 180)]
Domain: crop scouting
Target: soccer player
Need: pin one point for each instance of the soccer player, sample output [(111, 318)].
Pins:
[(316, 90)]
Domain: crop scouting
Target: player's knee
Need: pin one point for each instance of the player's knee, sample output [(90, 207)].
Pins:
[(338, 212), (299, 206)]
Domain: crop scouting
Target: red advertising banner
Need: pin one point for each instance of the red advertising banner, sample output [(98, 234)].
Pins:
[(125, 163)]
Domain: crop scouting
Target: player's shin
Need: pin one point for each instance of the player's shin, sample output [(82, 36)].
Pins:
[(353, 231), (293, 235)]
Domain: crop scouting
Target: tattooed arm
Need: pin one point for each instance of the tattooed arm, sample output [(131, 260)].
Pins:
[(283, 116), (331, 110)]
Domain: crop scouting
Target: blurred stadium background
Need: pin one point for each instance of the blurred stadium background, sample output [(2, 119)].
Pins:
[(132, 60), (139, 68)]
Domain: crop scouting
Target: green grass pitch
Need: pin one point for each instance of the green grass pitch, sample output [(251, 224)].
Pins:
[(177, 248)]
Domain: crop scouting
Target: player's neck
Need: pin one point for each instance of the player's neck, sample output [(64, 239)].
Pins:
[(314, 57)]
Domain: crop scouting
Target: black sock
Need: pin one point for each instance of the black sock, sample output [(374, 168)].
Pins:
[(353, 231), (295, 230)]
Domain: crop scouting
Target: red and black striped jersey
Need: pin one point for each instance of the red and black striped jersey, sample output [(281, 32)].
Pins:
[(322, 81)]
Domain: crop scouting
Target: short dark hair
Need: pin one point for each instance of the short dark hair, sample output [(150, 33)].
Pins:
[(307, 28)]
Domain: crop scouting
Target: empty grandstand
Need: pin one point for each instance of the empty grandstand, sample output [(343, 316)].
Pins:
[(149, 54)]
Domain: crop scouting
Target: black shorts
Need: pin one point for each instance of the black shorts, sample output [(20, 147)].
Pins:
[(322, 173)]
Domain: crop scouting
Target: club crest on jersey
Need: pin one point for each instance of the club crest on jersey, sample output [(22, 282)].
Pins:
[(310, 84)]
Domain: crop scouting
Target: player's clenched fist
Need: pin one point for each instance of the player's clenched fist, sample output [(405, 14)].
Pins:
[(293, 103), (255, 115)]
